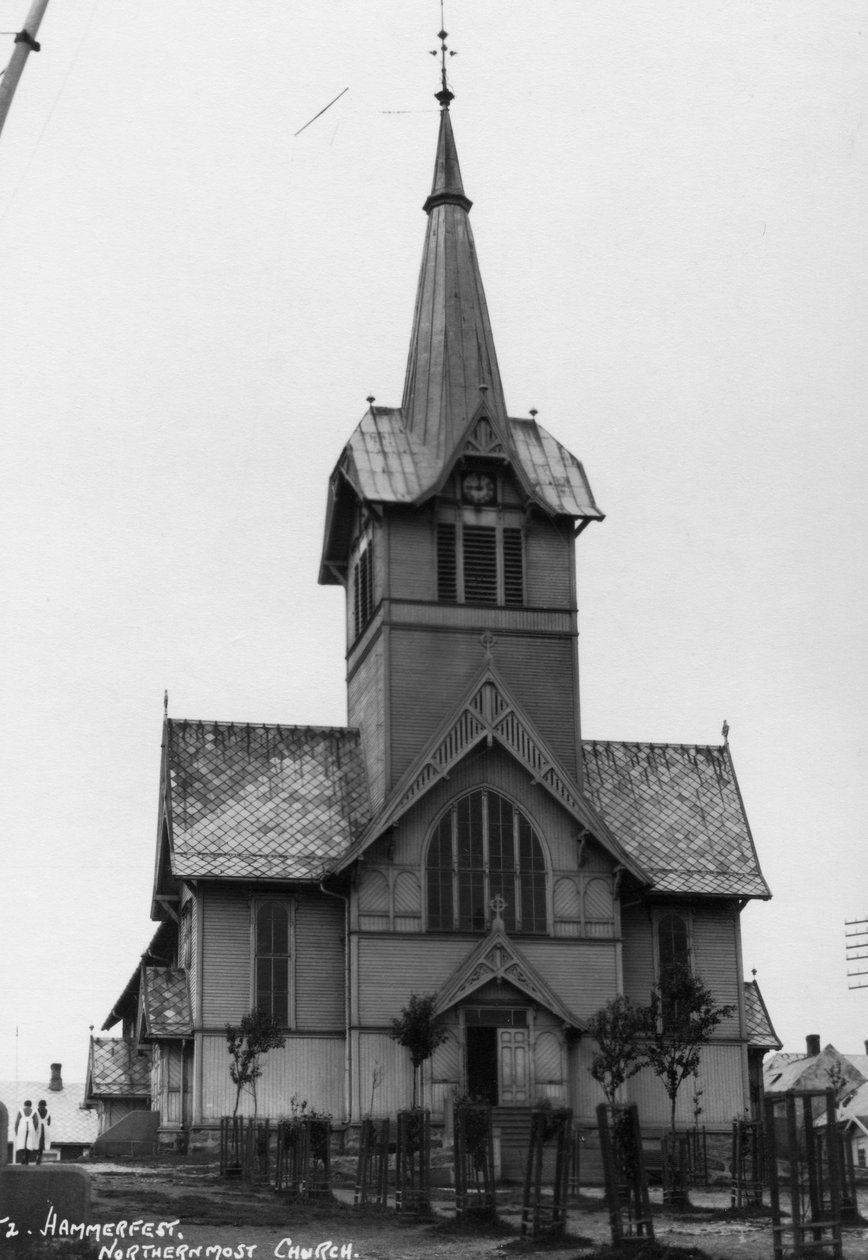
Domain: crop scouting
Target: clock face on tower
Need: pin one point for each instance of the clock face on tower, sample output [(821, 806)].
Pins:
[(477, 488)]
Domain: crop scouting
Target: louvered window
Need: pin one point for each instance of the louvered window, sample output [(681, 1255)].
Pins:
[(484, 848), (363, 605), (272, 960), (479, 564)]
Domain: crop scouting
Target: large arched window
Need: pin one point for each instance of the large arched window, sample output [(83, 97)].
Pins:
[(484, 847)]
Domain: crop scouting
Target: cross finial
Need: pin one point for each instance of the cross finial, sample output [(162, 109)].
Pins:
[(444, 96), (166, 703), (498, 905), (724, 730)]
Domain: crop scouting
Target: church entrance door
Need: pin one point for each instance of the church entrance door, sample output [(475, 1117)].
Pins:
[(514, 1066)]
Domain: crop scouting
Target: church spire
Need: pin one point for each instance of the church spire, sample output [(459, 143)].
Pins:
[(452, 350)]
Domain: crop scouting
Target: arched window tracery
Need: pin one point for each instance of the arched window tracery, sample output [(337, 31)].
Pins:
[(484, 847)]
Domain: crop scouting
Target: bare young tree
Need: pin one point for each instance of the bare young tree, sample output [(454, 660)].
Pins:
[(678, 1021), (255, 1036)]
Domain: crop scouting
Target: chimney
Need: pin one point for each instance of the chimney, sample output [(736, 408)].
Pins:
[(56, 1082), (813, 1043)]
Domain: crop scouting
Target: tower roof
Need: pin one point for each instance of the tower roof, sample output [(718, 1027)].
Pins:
[(452, 349)]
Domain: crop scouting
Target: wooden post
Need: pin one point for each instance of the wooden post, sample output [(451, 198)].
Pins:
[(25, 41)]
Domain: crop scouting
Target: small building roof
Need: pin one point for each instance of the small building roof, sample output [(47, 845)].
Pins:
[(828, 1069), (677, 810), (760, 1032), (261, 802), (70, 1124), (117, 1069), (165, 1000)]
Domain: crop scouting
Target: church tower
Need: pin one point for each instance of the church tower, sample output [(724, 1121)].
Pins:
[(452, 524)]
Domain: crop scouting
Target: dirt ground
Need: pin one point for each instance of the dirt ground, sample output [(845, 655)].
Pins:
[(198, 1208)]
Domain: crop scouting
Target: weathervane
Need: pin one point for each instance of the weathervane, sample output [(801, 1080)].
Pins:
[(444, 96)]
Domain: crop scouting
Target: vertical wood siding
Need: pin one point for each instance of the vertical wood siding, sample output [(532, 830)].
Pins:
[(720, 1079), (638, 952), (412, 570), (715, 953), (309, 1068), (319, 963), (549, 559), (582, 974), (539, 670), (226, 991)]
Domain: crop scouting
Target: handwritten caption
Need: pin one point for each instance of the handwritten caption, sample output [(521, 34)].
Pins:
[(163, 1240)]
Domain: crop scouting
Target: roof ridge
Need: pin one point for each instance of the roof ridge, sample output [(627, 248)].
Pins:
[(645, 743)]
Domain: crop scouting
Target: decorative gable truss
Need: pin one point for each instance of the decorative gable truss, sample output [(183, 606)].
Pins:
[(497, 959), (488, 713), (484, 439)]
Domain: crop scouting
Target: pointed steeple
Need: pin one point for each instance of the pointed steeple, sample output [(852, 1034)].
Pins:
[(451, 347)]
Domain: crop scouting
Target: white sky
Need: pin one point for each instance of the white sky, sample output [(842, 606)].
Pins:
[(670, 206)]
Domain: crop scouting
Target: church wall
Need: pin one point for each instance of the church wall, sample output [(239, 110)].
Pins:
[(226, 949), (549, 564), (582, 973), (319, 963), (720, 1079), (309, 1068), (366, 709), (317, 959), (714, 932), (412, 565)]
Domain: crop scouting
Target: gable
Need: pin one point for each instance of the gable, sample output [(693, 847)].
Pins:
[(498, 960), (489, 715)]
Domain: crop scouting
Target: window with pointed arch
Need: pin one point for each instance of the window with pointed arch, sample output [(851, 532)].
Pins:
[(272, 960), (484, 847)]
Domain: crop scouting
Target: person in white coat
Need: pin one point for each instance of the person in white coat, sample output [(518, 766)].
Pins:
[(26, 1134), (43, 1120)]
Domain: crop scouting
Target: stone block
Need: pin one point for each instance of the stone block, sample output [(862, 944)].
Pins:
[(41, 1202)]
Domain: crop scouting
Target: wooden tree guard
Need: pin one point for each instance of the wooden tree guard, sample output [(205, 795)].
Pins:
[(697, 1156), (675, 1168), (747, 1166), (256, 1151), (303, 1160), (474, 1160), (413, 1163), (624, 1173), (231, 1143), (804, 1164), (549, 1131), (577, 1139), (372, 1177)]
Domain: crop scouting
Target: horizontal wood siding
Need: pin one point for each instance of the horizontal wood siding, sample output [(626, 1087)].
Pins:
[(226, 948), (310, 1069), (548, 564), (319, 963), (720, 1079), (366, 710)]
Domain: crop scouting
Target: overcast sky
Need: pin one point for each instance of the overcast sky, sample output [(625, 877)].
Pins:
[(669, 208)]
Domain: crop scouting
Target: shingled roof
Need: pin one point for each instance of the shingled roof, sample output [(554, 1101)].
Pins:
[(166, 1002), (677, 809), (760, 1032), (267, 802), (117, 1069)]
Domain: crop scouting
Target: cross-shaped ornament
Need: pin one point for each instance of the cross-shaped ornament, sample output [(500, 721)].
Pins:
[(498, 905)]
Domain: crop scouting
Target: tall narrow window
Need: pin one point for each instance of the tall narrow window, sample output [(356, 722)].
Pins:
[(484, 847), (363, 588), (673, 956), (272, 960)]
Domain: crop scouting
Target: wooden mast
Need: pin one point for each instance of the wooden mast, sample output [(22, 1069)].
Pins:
[(25, 42)]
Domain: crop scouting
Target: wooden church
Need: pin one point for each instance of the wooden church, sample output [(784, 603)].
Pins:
[(459, 837)]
